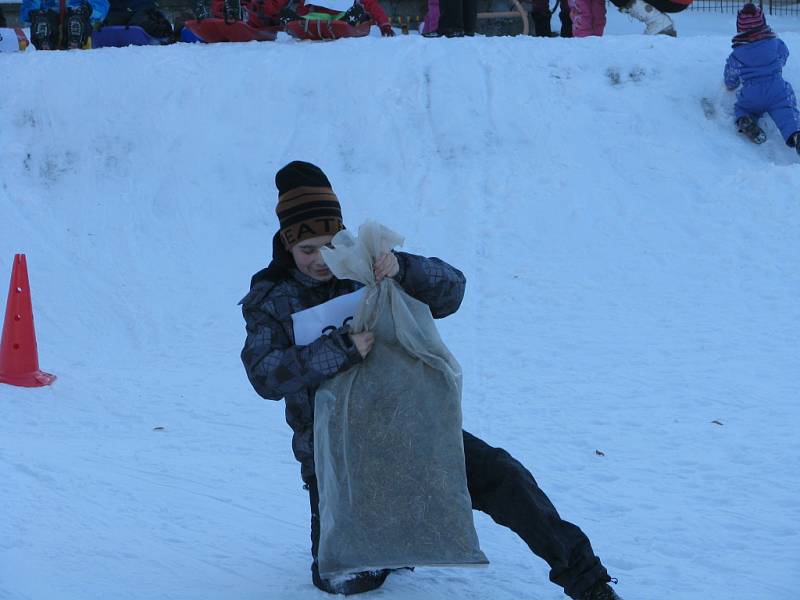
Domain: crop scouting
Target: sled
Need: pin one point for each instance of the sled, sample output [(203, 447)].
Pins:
[(318, 30), (212, 31), (12, 39), (118, 36)]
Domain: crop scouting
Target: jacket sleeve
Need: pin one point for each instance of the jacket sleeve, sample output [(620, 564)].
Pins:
[(276, 367), (732, 66), (375, 10), (783, 52), (432, 281)]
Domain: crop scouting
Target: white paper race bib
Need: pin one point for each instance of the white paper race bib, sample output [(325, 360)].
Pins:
[(311, 323)]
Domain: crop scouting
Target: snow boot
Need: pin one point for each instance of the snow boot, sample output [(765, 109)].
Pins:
[(44, 29), (541, 24), (794, 140), (78, 26), (601, 591), (750, 128), (655, 21)]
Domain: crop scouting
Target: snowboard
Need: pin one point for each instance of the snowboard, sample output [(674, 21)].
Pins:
[(118, 36), (212, 31), (12, 39), (317, 30)]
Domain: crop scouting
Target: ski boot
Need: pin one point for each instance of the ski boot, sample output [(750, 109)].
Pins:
[(44, 29), (750, 128), (232, 11), (78, 26)]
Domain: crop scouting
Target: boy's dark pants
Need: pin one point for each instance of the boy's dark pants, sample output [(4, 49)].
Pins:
[(505, 490)]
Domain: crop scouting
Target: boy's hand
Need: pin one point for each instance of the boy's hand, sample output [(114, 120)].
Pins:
[(386, 266), (363, 342)]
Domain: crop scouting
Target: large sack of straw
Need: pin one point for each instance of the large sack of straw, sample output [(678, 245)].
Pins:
[(388, 447)]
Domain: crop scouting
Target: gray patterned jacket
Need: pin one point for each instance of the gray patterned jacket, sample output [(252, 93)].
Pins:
[(277, 368)]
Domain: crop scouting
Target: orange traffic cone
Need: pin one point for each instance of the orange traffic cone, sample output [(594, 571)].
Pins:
[(19, 359)]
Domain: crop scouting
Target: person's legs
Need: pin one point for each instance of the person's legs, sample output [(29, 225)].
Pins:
[(451, 17), (566, 20), (783, 110), (469, 16), (540, 18), (580, 13), (503, 488), (359, 582), (598, 17)]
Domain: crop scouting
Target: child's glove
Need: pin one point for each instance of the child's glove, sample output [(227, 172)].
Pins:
[(387, 31)]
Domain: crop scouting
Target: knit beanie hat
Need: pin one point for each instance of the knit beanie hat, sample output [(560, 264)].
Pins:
[(307, 206), (750, 17)]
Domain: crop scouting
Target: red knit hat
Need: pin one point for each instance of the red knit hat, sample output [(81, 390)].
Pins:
[(750, 17)]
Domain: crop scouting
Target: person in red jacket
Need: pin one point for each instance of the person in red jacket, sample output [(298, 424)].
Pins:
[(266, 13)]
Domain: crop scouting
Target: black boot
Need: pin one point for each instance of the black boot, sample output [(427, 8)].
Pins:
[(44, 29), (541, 24), (794, 140), (601, 591), (78, 26), (751, 130)]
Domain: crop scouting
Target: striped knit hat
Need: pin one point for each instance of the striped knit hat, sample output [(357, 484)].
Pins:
[(307, 206), (750, 17)]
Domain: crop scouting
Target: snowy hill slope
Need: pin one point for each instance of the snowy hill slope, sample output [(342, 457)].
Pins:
[(632, 271)]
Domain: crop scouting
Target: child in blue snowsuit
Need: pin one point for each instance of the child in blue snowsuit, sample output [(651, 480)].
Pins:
[(756, 62), (57, 24)]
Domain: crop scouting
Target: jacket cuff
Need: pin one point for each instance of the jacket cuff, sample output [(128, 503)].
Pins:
[(346, 343), (401, 262)]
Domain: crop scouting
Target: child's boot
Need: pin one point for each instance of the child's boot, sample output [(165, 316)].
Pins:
[(44, 29), (794, 140), (78, 26), (655, 21), (750, 128)]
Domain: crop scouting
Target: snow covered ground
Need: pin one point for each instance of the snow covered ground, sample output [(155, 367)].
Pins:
[(633, 276)]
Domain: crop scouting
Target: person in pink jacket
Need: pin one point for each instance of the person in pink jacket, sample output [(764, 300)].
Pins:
[(588, 17)]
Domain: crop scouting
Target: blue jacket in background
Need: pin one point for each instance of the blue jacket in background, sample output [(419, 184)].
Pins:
[(99, 8), (758, 66)]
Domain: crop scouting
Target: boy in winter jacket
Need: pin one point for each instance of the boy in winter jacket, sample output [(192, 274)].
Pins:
[(297, 279), (58, 24), (756, 63)]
